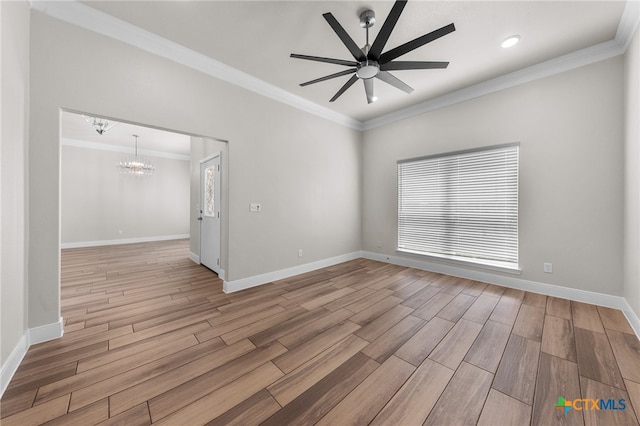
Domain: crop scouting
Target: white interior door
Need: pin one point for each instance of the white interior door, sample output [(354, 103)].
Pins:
[(210, 213)]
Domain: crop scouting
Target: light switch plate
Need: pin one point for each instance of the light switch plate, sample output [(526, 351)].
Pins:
[(255, 207)]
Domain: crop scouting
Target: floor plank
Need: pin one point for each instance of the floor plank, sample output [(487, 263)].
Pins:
[(381, 348), (529, 322), (486, 352), (592, 389), (596, 359), (317, 401), (559, 307), (518, 369), (418, 347), (586, 316), (311, 372), (454, 346), (361, 405), (470, 384), (501, 409), (251, 411), (148, 389), (225, 398), (556, 378), (633, 389), (558, 338), (414, 401), (626, 348), (481, 308)]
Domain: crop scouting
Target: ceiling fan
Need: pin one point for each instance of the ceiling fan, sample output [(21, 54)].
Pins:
[(369, 61)]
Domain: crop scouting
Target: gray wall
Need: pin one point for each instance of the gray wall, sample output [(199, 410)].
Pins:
[(303, 169), (632, 175), (97, 201), (14, 18), (570, 127)]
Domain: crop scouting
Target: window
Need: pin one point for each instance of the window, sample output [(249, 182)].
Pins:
[(461, 206)]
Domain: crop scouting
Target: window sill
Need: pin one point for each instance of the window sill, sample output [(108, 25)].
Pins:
[(460, 261)]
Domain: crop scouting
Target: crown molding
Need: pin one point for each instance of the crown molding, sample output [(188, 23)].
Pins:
[(579, 58), (86, 17), (628, 23), (560, 64), (121, 149)]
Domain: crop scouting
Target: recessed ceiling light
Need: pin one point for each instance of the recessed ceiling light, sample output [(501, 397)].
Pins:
[(511, 41), (375, 98)]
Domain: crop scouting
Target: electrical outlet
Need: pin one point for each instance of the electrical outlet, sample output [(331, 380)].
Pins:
[(300, 253), (548, 268)]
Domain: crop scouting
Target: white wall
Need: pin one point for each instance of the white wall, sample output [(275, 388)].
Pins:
[(14, 24), (570, 129), (303, 169), (98, 202), (632, 175)]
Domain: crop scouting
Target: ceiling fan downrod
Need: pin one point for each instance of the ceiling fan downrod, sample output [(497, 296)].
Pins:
[(367, 68)]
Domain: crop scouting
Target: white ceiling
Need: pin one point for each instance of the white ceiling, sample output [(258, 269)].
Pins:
[(256, 37)]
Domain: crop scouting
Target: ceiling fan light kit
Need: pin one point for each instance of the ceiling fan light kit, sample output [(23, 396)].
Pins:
[(370, 62)]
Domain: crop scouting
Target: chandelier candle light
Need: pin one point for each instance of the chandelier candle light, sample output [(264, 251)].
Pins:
[(136, 166)]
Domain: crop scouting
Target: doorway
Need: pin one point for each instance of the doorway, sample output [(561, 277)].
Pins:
[(210, 198)]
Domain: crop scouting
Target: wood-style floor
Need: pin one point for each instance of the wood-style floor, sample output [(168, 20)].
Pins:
[(151, 337)]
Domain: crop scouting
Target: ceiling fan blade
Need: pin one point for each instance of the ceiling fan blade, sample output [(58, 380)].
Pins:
[(386, 29), (412, 65), (414, 44), (394, 81), (328, 60), (348, 84), (329, 77), (346, 38), (368, 89)]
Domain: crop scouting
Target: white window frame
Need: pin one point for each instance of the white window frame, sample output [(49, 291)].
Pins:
[(462, 207)]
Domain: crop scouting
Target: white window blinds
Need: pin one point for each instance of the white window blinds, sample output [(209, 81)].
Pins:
[(461, 205)]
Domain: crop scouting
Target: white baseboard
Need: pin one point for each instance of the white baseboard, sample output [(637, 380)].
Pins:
[(82, 244), (632, 317), (194, 257), (12, 363), (47, 332), (31, 337), (577, 295), (245, 283)]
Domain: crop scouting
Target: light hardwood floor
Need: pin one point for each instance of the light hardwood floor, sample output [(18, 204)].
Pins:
[(151, 337)]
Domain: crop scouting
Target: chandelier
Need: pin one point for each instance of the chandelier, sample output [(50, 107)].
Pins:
[(100, 124), (136, 166)]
